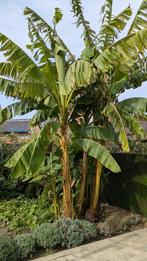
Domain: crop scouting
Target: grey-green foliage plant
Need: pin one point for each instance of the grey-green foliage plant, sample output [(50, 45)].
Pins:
[(75, 232), (64, 233), (71, 232), (25, 245), (53, 83), (47, 235), (89, 230), (8, 249)]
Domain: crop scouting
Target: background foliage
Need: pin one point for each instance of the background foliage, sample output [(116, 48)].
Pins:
[(22, 214)]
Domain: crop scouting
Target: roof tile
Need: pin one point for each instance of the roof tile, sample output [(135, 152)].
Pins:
[(15, 126)]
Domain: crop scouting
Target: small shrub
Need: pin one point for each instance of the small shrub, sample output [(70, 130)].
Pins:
[(47, 235), (75, 232), (71, 232), (89, 230), (7, 249), (25, 245), (65, 233)]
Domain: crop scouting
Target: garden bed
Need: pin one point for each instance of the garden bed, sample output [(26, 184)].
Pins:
[(49, 238)]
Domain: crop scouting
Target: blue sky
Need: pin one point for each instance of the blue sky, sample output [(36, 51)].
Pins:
[(13, 24)]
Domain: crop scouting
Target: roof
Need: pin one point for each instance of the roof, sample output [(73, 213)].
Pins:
[(15, 126)]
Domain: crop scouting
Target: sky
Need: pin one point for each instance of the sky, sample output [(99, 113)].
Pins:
[(13, 24)]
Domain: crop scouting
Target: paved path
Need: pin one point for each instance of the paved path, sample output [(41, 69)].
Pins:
[(127, 247)]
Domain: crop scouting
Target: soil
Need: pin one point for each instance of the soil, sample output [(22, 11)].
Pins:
[(4, 229)]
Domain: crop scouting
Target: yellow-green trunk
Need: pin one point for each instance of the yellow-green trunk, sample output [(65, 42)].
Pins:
[(83, 182), (96, 186), (67, 195)]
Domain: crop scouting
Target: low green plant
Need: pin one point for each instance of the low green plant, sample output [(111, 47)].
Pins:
[(25, 214), (47, 235), (89, 230), (71, 232), (75, 232), (7, 249), (64, 233), (25, 245)]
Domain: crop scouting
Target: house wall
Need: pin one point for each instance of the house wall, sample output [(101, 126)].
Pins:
[(12, 137)]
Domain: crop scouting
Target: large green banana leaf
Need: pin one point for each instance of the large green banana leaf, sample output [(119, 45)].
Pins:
[(8, 88), (98, 133), (122, 80), (106, 10), (114, 116), (124, 51), (30, 89), (7, 69), (140, 20), (133, 125), (88, 33), (49, 33), (19, 58), (93, 132), (99, 152), (80, 74), (109, 31), (17, 108), (27, 160), (136, 106)]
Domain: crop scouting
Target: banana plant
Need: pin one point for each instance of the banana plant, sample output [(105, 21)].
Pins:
[(54, 81), (48, 79), (116, 74)]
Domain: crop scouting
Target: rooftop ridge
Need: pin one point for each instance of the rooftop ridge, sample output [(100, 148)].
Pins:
[(18, 120)]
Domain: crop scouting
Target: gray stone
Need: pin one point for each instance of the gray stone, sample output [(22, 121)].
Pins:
[(117, 220)]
